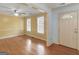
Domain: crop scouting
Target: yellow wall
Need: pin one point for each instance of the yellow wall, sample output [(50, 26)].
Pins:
[(10, 25), (34, 27)]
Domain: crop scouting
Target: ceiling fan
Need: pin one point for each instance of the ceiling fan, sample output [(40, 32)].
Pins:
[(13, 11), (18, 13)]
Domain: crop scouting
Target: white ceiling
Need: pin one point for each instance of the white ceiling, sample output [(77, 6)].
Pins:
[(56, 5), (26, 8), (9, 8)]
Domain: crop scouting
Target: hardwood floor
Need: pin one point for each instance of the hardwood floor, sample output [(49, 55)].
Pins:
[(25, 45)]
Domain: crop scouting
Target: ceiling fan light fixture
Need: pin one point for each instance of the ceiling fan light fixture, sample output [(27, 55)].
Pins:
[(16, 14)]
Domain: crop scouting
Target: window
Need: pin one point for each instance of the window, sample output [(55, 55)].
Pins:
[(40, 24), (28, 24)]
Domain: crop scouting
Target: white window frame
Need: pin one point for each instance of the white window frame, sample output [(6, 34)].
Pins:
[(40, 25), (28, 25)]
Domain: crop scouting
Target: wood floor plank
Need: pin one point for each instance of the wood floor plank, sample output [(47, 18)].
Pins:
[(26, 45)]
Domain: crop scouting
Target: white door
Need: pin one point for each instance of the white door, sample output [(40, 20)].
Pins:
[(67, 29), (78, 33)]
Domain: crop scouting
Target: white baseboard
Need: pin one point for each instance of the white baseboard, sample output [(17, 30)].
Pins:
[(49, 44), (36, 37), (9, 36), (57, 42)]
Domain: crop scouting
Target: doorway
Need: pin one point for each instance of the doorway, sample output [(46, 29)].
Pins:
[(68, 29)]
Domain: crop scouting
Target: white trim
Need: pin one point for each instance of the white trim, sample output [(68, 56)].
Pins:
[(9, 36), (52, 42), (36, 37), (49, 44)]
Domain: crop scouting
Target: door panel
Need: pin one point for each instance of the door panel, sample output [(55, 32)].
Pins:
[(78, 33), (67, 29)]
